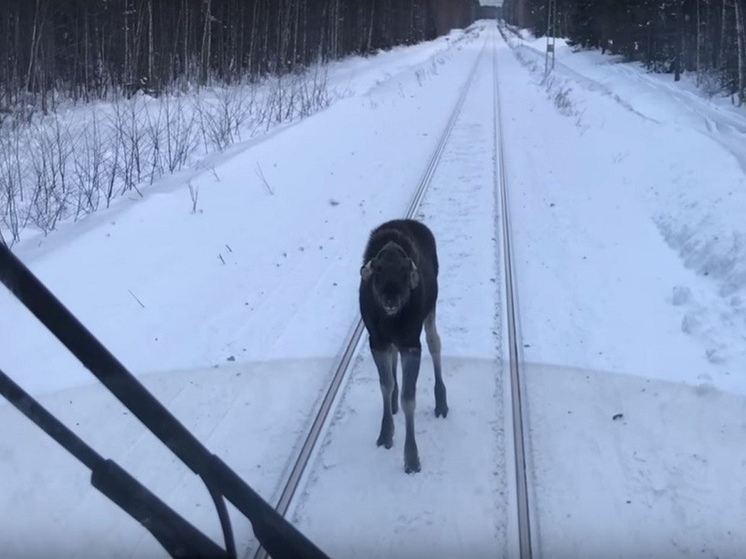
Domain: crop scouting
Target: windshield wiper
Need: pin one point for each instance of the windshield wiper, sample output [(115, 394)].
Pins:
[(275, 534)]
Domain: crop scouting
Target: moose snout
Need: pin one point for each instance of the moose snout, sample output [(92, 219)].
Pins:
[(391, 305)]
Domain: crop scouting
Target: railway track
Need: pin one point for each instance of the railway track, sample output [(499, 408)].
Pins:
[(300, 471)]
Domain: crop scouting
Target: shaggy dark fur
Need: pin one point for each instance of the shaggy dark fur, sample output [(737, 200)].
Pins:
[(398, 294)]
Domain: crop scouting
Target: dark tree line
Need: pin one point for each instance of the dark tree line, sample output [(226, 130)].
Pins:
[(702, 36), (86, 49)]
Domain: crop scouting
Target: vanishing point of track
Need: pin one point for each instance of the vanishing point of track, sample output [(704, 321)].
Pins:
[(352, 342)]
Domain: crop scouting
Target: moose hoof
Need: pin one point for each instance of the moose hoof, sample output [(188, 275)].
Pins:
[(412, 466), (441, 411), (386, 442), (411, 458)]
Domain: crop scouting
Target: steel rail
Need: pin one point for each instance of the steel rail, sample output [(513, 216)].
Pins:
[(501, 184)]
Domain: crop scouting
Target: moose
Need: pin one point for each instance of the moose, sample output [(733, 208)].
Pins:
[(398, 294)]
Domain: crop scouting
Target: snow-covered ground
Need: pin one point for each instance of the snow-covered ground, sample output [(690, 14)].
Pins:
[(627, 196), (643, 153)]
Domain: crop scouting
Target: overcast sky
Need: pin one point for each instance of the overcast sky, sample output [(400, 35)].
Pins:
[(491, 2)]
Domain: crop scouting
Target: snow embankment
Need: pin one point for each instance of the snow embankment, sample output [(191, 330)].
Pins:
[(682, 155)]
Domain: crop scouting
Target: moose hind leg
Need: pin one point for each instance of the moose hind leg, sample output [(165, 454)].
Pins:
[(433, 344), (382, 358), (410, 370)]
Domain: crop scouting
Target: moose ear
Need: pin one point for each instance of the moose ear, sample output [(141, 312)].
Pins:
[(367, 270), (414, 275)]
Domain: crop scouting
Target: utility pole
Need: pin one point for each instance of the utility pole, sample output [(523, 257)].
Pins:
[(551, 35)]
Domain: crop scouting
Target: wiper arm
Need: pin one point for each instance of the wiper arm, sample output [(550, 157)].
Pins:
[(280, 538), (177, 536)]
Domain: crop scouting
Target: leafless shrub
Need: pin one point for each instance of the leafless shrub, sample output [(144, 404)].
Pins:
[(63, 149), (419, 74), (562, 101), (46, 200), (52, 169), (194, 194), (317, 96), (214, 173), (292, 98), (155, 129), (88, 167), (112, 160), (50, 156), (274, 104), (711, 83), (181, 138), (221, 120), (296, 95), (11, 180), (261, 176), (560, 96), (5, 114), (130, 134)]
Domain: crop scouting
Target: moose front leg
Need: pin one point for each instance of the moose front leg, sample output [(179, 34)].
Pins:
[(410, 361), (395, 393), (384, 361)]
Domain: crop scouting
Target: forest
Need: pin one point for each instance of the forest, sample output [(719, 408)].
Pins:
[(86, 49), (94, 49), (705, 37)]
